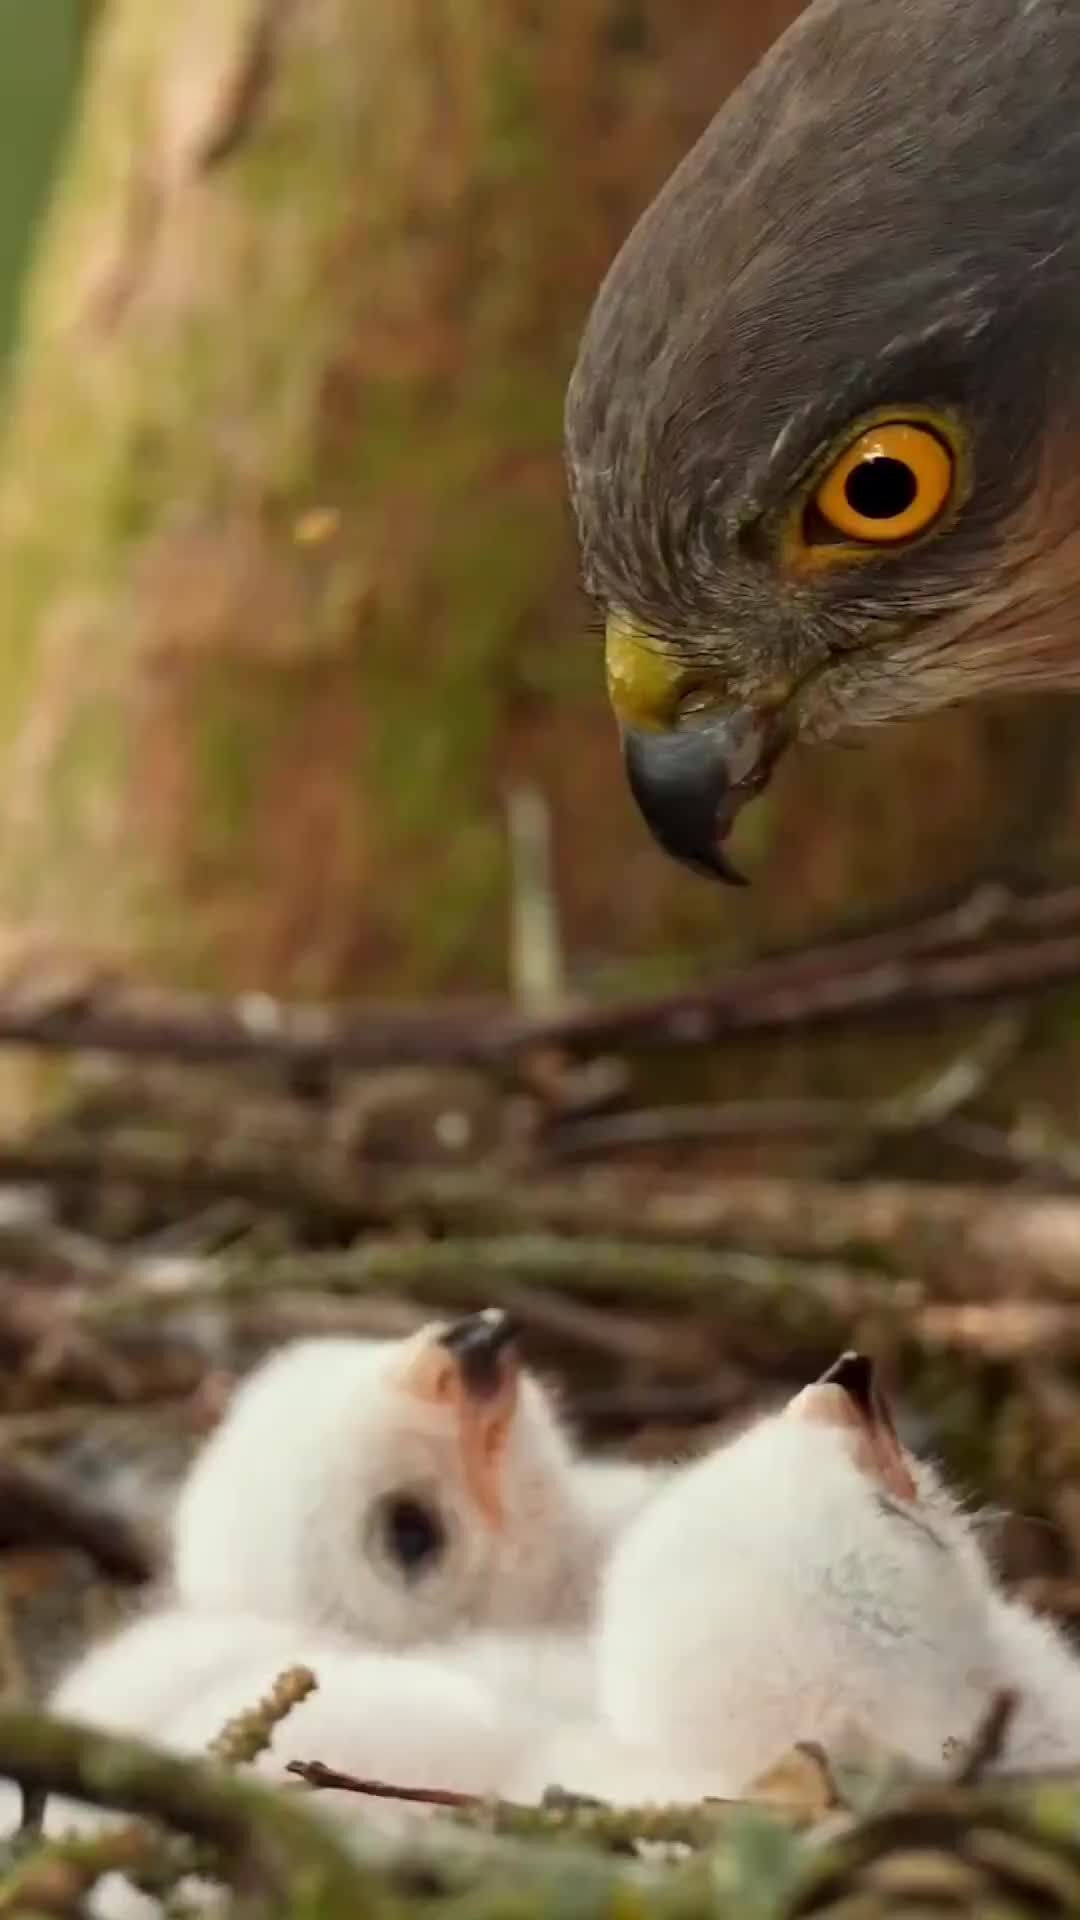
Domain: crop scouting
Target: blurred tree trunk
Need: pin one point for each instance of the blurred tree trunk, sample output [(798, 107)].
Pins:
[(39, 61), (286, 582)]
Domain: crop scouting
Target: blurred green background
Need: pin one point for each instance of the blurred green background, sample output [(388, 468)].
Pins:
[(41, 42)]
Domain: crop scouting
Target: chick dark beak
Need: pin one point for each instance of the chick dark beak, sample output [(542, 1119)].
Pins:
[(692, 782), (483, 1346), (855, 1373), (882, 1450)]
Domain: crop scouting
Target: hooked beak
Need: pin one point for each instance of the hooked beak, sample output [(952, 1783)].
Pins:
[(483, 1346), (690, 772), (848, 1396), (471, 1369)]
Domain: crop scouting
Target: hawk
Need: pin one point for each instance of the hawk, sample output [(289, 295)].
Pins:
[(823, 434)]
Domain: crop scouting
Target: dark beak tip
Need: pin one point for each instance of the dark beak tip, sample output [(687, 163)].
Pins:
[(478, 1342), (855, 1373), (690, 785)]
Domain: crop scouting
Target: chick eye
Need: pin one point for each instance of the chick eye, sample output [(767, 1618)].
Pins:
[(889, 485), (413, 1534)]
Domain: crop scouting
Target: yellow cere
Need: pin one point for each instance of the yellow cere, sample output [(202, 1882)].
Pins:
[(644, 684)]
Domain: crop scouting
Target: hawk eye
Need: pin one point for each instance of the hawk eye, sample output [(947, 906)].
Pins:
[(413, 1534), (889, 485)]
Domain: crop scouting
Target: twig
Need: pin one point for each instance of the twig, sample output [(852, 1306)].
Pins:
[(881, 977), (726, 1120), (248, 1734), (986, 1747), (611, 1232), (283, 1860), (576, 1815), (39, 1510), (54, 1879), (537, 972), (261, 1841), (315, 1774), (571, 1813), (34, 1801), (782, 1293), (658, 1342), (688, 1405), (1011, 1330), (927, 1107)]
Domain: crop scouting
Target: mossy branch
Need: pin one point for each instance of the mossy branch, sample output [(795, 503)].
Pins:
[(284, 1860), (946, 960), (477, 1271), (1011, 1847), (248, 1734), (264, 1844)]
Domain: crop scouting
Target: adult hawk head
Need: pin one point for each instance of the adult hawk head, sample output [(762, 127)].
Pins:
[(824, 429)]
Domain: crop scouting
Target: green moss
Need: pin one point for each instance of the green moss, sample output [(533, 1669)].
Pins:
[(39, 62)]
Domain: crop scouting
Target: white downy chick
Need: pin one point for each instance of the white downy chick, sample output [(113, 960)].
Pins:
[(175, 1679), (806, 1581), (612, 1493), (473, 1713), (417, 1719), (394, 1491), (486, 1714), (543, 1694), (1043, 1673), (507, 1714)]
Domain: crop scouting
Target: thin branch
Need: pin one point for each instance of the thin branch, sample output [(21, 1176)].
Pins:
[(881, 977), (315, 1774), (39, 1510), (577, 1815), (987, 1746), (929, 1107), (775, 1293), (766, 1299), (270, 1846), (246, 1735), (758, 1244), (53, 1880), (537, 968), (264, 1843)]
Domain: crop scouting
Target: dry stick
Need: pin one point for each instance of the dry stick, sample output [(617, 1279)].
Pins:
[(315, 1774), (986, 1748), (265, 1844), (925, 1107), (1049, 1164), (39, 1510), (695, 1825), (473, 1271), (331, 1185), (248, 1734), (54, 1881), (271, 1847), (883, 976), (881, 1220), (604, 1232), (807, 1304)]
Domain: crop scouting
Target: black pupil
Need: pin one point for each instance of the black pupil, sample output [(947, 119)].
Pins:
[(414, 1534), (880, 488)]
